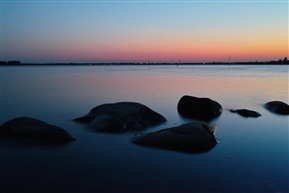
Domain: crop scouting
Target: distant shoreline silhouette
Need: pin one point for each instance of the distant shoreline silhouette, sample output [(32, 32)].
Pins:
[(285, 61)]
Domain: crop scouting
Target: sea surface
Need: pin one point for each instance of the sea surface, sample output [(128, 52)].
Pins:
[(251, 156)]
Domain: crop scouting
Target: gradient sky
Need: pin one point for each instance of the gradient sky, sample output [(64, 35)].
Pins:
[(138, 31)]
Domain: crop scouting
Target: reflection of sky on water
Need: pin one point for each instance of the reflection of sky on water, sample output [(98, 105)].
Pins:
[(157, 86), (252, 154)]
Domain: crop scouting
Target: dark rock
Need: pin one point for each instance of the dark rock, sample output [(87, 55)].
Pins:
[(121, 117), (200, 108), (192, 137), (277, 107), (246, 113), (33, 130)]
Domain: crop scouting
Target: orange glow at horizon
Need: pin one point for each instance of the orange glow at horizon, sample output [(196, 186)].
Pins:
[(174, 51), (180, 47)]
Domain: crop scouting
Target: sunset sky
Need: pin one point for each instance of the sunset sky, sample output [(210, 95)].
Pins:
[(138, 31)]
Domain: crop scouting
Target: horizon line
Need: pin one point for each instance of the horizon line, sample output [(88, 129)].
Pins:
[(15, 63)]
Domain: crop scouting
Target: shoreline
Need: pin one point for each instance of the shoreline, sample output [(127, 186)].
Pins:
[(16, 63)]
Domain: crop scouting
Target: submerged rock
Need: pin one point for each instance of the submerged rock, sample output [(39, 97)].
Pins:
[(121, 117), (277, 107), (200, 108), (246, 113), (192, 137), (34, 130)]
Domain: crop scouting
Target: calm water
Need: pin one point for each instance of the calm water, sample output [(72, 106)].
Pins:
[(252, 154)]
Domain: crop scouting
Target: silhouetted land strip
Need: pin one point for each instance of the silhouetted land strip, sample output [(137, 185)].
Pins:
[(18, 63)]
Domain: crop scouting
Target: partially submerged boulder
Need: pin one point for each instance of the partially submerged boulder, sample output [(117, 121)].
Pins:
[(246, 113), (121, 117), (200, 108), (34, 130), (277, 107), (192, 137)]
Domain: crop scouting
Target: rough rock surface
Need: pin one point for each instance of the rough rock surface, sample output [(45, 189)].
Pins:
[(192, 137), (121, 117), (246, 113), (200, 108), (277, 107), (33, 130)]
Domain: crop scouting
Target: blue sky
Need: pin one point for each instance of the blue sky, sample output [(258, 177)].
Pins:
[(97, 31)]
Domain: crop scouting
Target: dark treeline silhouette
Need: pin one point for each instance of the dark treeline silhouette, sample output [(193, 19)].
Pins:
[(284, 61), (14, 62)]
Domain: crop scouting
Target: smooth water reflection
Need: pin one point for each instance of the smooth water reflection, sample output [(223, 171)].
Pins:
[(252, 155)]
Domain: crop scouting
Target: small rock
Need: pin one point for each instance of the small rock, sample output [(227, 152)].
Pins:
[(277, 107), (200, 108), (34, 130), (121, 117), (246, 113), (192, 137)]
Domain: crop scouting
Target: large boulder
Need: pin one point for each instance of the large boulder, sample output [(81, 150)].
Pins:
[(200, 108), (33, 130), (121, 117), (277, 107), (192, 137), (246, 113)]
